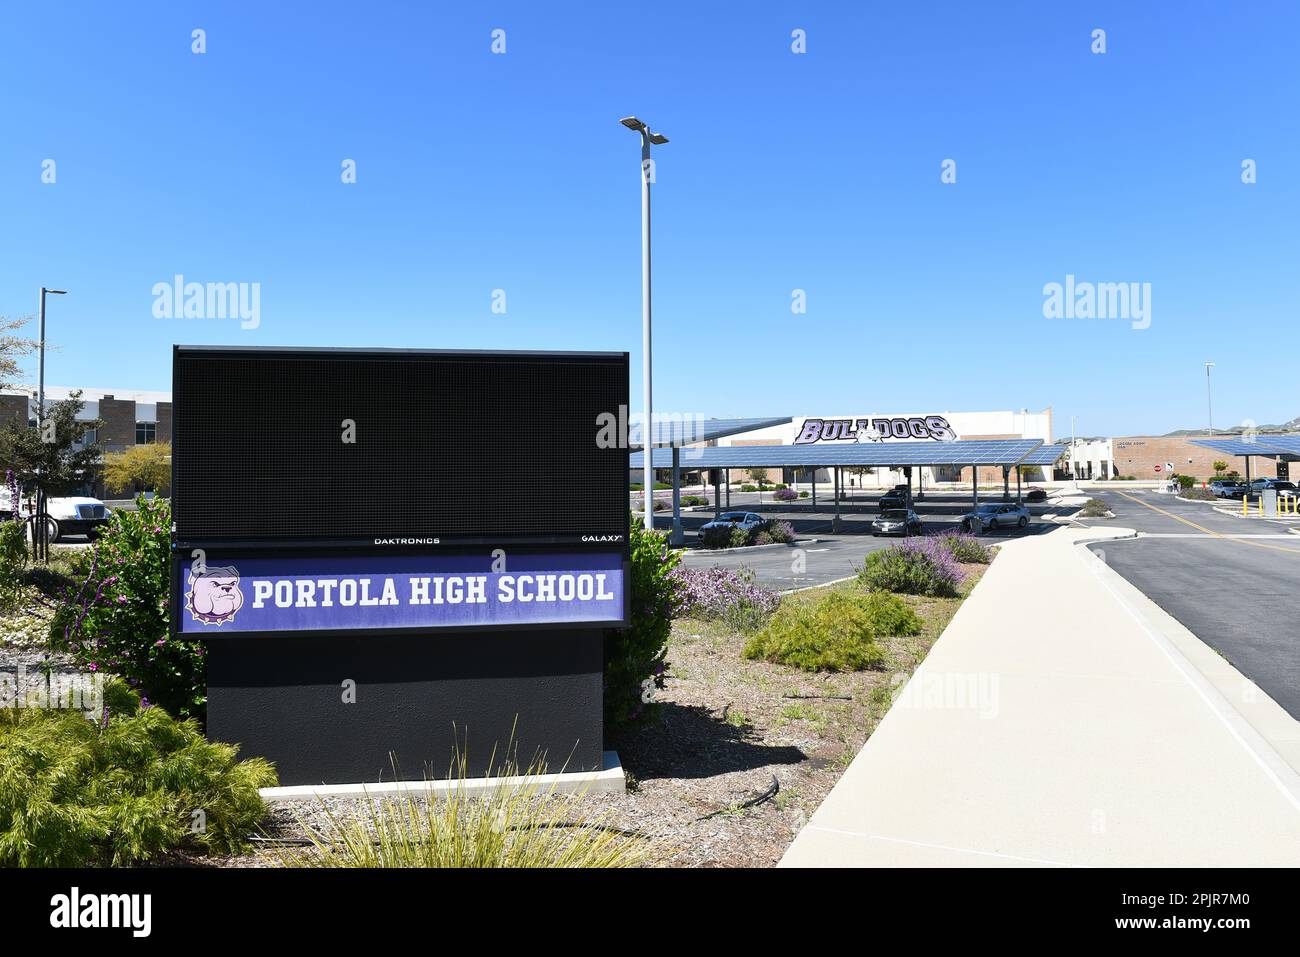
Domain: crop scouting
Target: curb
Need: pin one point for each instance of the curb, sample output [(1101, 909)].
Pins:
[(748, 548), (608, 780)]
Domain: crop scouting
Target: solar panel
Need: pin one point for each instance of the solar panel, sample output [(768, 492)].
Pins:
[(1046, 455), (1252, 445), (868, 454), (689, 429), (1286, 443)]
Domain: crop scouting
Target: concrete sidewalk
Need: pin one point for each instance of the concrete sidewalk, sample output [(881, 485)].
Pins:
[(1064, 719)]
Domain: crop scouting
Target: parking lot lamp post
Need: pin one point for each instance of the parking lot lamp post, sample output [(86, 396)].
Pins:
[(40, 532), (647, 138)]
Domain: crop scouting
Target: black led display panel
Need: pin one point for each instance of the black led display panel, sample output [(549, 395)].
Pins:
[(459, 446)]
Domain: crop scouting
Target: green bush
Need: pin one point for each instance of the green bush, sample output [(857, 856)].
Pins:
[(749, 488), (803, 494), (694, 500), (724, 536), (1197, 494), (1094, 508), (1185, 481), (121, 791), (836, 633), (13, 561), (966, 549), (115, 619), (920, 568), (635, 654)]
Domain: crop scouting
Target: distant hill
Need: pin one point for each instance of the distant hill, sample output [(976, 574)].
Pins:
[(1292, 426)]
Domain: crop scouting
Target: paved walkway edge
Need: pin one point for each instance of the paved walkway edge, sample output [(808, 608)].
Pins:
[(1272, 737)]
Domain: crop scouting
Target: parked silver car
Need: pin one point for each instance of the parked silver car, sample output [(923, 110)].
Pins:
[(995, 515), (745, 520)]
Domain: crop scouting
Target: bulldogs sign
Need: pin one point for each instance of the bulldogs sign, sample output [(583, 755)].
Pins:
[(934, 427)]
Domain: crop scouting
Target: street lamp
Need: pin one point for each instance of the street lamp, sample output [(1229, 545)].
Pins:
[(40, 387), (1209, 401), (40, 527), (647, 433)]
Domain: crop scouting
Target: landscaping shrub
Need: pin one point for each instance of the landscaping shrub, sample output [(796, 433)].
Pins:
[(784, 494), (965, 548), (749, 488), (1094, 508), (119, 791), (1197, 494), (115, 618), (694, 500), (920, 566), (721, 594), (1185, 481), (635, 654), (513, 825), (13, 548), (803, 494), (776, 531), (836, 633), (724, 536)]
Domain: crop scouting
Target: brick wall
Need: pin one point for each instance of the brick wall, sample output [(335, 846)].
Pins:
[(118, 432), (164, 422), (1137, 455), (742, 475)]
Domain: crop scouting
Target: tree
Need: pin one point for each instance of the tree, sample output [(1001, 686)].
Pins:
[(12, 348), (141, 468), (61, 466), (1220, 467)]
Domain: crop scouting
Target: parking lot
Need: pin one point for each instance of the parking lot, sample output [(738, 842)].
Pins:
[(1233, 582), (836, 555)]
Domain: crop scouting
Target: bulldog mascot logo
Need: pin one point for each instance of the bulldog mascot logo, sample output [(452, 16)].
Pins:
[(214, 595)]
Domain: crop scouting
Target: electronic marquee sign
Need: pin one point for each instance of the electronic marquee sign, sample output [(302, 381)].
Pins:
[(874, 429), (394, 556)]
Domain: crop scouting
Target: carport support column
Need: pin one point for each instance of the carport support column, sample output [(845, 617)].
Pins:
[(835, 523), (1006, 482), (975, 485), (717, 493), (814, 484), (676, 538), (1018, 501)]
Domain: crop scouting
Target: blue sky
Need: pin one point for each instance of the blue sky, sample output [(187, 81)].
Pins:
[(819, 172)]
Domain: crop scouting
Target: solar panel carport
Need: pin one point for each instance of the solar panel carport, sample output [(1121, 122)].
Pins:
[(1007, 453), (1285, 447)]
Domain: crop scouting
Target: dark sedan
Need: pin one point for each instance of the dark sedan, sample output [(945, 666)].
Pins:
[(897, 521), (894, 498)]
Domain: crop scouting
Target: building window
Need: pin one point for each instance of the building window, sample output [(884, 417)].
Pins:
[(146, 432), (90, 437)]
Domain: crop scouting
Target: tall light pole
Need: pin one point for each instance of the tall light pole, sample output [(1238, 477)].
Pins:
[(647, 431), (1209, 400), (40, 386), (40, 528)]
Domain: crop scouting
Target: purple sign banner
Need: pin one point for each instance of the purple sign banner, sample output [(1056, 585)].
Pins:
[(225, 595)]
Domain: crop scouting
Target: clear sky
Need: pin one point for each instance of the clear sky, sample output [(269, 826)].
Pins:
[(818, 172)]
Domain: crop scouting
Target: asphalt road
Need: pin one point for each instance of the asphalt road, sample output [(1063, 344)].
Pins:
[(832, 556), (1238, 594)]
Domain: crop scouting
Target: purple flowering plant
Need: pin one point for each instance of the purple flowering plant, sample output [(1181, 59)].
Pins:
[(115, 617)]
